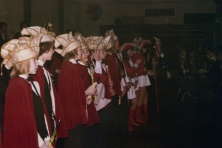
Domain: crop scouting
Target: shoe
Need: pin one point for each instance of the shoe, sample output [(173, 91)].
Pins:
[(132, 117), (139, 116)]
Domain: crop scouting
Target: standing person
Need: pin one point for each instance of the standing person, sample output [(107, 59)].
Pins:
[(183, 78), (23, 24), (211, 79), (161, 74), (104, 86), (97, 46), (88, 132), (143, 82), (130, 68), (194, 78), (25, 117), (42, 76), (71, 89), (119, 104)]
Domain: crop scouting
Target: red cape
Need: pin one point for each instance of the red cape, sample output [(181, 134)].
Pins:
[(93, 116), (39, 77), (19, 120), (55, 65), (72, 95), (104, 80), (111, 61), (119, 63)]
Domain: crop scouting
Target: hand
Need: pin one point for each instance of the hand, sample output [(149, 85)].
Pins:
[(151, 73), (135, 84), (128, 86), (138, 61), (96, 55), (112, 92), (89, 91), (96, 93), (124, 91), (88, 100), (110, 83), (45, 145)]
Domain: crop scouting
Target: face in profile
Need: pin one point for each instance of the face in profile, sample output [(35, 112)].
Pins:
[(130, 52), (144, 50), (4, 29), (102, 54), (85, 55), (158, 46), (117, 44), (79, 53), (49, 53), (33, 66)]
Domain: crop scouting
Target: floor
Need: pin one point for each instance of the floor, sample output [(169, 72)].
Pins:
[(187, 124)]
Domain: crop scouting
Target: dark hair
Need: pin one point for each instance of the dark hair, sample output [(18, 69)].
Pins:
[(24, 22), (3, 24), (147, 46), (44, 47), (125, 55)]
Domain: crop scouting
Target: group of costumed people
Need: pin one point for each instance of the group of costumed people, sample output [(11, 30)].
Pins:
[(93, 98)]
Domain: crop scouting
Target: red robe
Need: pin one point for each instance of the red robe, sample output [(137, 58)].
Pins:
[(20, 129), (141, 69), (111, 61), (93, 116), (55, 65), (40, 78), (104, 80), (72, 95), (119, 65)]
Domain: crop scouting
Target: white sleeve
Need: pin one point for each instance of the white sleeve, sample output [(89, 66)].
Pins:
[(100, 90), (123, 84), (127, 79), (98, 67), (40, 141), (102, 101)]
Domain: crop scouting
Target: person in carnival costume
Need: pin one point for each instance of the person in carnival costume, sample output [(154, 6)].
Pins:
[(25, 119), (43, 77)]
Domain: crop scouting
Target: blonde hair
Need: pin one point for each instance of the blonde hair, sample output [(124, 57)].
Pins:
[(20, 68)]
